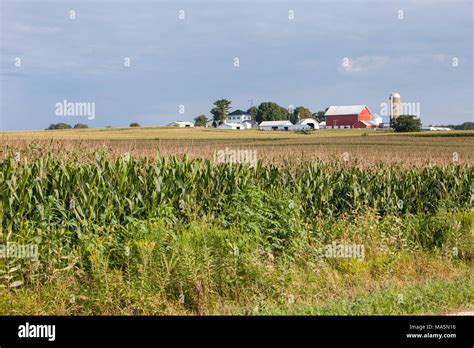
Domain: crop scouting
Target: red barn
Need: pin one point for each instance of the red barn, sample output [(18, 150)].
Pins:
[(350, 116)]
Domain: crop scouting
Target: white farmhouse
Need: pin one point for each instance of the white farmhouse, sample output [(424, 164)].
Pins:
[(239, 116)]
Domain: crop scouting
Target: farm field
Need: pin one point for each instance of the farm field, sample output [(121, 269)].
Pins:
[(362, 146), (145, 221)]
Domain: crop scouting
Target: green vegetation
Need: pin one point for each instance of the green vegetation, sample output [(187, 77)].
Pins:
[(432, 297), (81, 125), (200, 121), (463, 126), (134, 124), (181, 236), (269, 111), (109, 191), (407, 123), (221, 110), (300, 113), (60, 125)]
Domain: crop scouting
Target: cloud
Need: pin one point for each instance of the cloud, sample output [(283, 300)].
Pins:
[(362, 64), (30, 29)]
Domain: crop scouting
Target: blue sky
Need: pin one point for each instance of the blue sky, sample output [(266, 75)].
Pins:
[(190, 62)]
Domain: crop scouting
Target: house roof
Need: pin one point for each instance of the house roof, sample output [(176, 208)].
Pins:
[(238, 113), (335, 110), (275, 123)]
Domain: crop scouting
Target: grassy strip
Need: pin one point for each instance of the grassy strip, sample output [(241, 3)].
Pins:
[(431, 297)]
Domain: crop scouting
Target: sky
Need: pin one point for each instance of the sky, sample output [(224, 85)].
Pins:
[(154, 62)]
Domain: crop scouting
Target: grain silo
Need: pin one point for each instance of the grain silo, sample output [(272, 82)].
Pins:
[(394, 107)]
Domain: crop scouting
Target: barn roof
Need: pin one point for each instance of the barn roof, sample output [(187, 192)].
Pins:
[(229, 125), (369, 123), (344, 110), (307, 120), (176, 123), (275, 123)]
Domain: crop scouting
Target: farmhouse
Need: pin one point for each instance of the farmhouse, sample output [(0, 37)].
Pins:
[(275, 125), (306, 124), (181, 124), (239, 116), (349, 116)]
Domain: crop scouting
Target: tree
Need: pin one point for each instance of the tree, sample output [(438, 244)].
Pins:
[(81, 125), (300, 113), (59, 126), (406, 123), (253, 112), (319, 116), (269, 111), (201, 121), (467, 126), (134, 124), (221, 110), (463, 126)]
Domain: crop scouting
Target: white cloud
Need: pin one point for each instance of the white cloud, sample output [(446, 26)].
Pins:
[(362, 64)]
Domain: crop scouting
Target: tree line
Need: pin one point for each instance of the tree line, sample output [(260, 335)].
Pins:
[(62, 125)]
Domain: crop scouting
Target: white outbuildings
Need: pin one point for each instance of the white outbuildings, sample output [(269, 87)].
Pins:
[(232, 126), (181, 124), (306, 124), (275, 125)]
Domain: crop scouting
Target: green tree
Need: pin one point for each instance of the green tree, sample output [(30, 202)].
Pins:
[(81, 125), (300, 113), (253, 111), (200, 121), (221, 110), (406, 123), (59, 126), (269, 111), (467, 126), (134, 124), (319, 116)]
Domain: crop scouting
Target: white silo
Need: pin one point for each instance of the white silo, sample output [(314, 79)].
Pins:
[(394, 106)]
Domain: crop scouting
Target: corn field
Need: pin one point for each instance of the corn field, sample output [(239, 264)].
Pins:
[(57, 192), (170, 235)]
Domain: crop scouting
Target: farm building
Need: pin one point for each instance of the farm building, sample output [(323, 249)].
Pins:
[(181, 124), (235, 126), (349, 116), (275, 125), (306, 124)]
